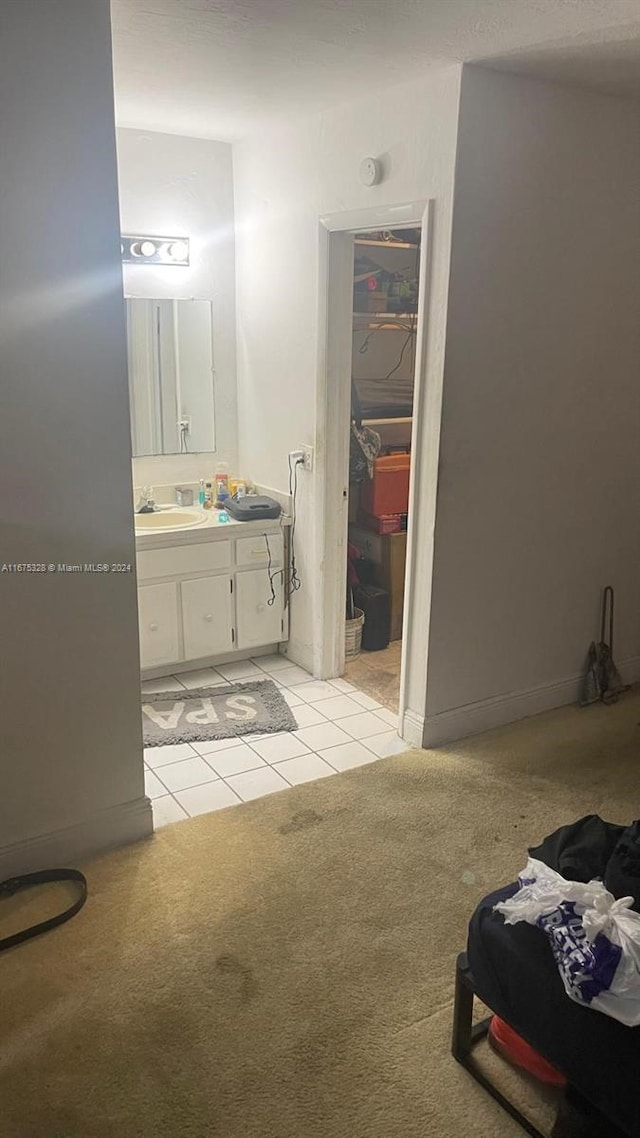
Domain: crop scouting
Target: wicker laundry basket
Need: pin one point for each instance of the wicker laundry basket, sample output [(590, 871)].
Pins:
[(353, 635)]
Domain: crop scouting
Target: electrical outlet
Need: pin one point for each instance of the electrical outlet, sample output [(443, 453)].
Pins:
[(296, 456), (308, 457)]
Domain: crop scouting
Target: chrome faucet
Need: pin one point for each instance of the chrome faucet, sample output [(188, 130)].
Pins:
[(146, 504)]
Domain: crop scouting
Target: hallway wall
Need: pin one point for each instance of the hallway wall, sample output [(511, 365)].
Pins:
[(539, 485)]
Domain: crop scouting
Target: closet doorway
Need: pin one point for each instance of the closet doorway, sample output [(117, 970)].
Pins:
[(375, 265), (386, 268)]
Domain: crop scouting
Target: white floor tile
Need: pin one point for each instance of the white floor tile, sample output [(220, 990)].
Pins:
[(166, 810), (255, 784), (387, 744), (337, 707), (210, 746), (202, 678), (153, 788), (314, 690), (339, 727), (306, 715), (292, 676), (234, 761), (156, 757), (241, 670), (343, 686), (348, 755), (389, 717), (190, 772), (272, 663), (305, 768), (280, 747), (324, 735), (204, 799), (292, 699), (164, 683), (362, 725), (365, 701)]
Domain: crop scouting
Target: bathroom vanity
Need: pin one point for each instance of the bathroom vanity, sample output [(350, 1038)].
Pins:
[(208, 592), (211, 592)]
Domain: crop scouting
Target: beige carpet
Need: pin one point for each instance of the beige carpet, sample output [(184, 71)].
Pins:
[(378, 674), (284, 969)]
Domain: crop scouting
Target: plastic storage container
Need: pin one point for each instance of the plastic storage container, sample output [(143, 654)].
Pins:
[(374, 603), (383, 523), (388, 491)]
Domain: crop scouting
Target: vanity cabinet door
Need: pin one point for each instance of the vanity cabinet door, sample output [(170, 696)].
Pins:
[(258, 622), (158, 624), (207, 616)]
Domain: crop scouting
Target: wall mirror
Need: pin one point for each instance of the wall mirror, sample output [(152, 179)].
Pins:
[(170, 359)]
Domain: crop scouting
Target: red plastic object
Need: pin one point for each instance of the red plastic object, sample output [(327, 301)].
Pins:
[(388, 490), (388, 523), (516, 1051)]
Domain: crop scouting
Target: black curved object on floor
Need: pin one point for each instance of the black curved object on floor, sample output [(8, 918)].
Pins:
[(43, 877)]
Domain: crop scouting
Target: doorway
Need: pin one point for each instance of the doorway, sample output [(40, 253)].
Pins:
[(386, 267), (345, 333)]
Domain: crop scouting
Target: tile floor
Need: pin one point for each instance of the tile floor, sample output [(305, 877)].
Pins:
[(339, 727)]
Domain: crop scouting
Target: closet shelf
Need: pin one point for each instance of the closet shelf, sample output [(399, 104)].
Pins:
[(393, 321), (386, 244)]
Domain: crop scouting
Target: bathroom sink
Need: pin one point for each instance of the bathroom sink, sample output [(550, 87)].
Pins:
[(162, 521)]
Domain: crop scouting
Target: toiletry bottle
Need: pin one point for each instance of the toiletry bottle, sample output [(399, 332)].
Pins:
[(208, 496), (222, 481), (202, 497)]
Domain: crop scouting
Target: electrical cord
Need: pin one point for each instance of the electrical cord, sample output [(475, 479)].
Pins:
[(183, 430), (272, 576), (294, 583), (412, 330), (407, 341)]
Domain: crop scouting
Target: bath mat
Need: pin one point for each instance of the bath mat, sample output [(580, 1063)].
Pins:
[(200, 714)]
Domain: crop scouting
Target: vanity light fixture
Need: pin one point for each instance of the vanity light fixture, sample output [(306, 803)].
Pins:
[(140, 250)]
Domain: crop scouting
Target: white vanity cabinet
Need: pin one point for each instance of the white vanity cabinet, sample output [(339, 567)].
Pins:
[(158, 620), (209, 596), (207, 616)]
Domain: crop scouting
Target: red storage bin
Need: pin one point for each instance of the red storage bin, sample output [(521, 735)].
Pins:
[(385, 523), (388, 490)]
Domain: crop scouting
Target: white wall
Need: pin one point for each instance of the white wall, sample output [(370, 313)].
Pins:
[(538, 499), (285, 181), (183, 186), (72, 775)]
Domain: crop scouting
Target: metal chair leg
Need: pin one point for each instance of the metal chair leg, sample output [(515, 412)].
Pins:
[(466, 1034)]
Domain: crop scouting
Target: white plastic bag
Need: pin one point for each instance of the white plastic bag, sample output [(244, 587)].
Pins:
[(594, 938)]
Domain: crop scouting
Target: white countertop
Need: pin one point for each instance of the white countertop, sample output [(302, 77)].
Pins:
[(210, 530)]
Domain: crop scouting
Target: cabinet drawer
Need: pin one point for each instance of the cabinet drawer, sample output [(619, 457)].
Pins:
[(158, 624), (205, 557), (206, 616), (255, 550)]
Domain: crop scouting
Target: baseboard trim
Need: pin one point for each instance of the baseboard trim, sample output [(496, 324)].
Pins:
[(175, 669), (412, 728), (117, 826), (473, 718)]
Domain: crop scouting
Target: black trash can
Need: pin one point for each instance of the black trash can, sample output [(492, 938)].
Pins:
[(374, 603)]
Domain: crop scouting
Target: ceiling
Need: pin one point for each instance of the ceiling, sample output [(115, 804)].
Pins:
[(225, 68)]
